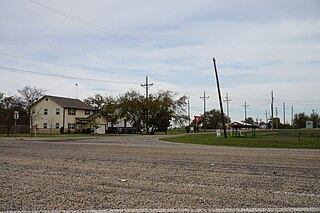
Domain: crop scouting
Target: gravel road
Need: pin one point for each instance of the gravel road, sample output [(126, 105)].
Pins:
[(140, 172)]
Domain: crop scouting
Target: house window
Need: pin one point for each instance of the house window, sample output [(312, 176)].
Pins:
[(87, 112), (57, 126), (47, 99), (45, 125), (45, 111), (58, 111), (33, 110), (71, 126), (71, 111)]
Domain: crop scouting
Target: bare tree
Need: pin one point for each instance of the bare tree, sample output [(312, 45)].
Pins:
[(29, 96)]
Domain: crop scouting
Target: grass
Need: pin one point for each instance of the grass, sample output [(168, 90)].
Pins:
[(264, 139)]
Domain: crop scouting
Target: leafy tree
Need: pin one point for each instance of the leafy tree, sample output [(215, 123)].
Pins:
[(300, 120), (213, 118), (107, 106), (164, 108), (155, 112), (315, 118), (7, 107), (249, 120), (132, 107)]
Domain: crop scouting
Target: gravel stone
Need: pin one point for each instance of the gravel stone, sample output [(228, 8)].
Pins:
[(141, 172)]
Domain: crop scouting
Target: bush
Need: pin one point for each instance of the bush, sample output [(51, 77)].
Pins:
[(62, 130)]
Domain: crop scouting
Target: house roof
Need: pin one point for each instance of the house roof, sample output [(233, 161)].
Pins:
[(69, 102), (90, 118)]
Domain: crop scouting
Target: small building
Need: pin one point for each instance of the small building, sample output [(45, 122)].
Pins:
[(51, 113), (309, 124)]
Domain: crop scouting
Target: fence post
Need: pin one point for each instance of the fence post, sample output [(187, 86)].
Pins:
[(299, 136)]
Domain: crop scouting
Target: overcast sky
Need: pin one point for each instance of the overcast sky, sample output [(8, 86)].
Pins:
[(111, 45)]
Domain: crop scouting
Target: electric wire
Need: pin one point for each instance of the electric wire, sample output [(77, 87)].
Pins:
[(15, 70), (97, 27)]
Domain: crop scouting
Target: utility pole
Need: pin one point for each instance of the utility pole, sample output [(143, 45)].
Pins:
[(189, 112), (314, 122), (266, 117), (227, 100), (245, 110), (147, 86), (292, 122), (220, 100), (272, 99), (204, 98), (284, 114), (276, 117)]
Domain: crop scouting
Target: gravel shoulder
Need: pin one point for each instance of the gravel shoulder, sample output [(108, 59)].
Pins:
[(140, 172)]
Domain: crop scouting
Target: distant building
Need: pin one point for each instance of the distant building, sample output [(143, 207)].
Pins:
[(50, 113), (309, 124)]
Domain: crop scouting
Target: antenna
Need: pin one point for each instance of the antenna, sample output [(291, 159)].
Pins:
[(76, 90)]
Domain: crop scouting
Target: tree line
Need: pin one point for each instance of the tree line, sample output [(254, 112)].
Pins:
[(157, 112)]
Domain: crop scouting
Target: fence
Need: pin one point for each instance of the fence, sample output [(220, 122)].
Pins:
[(19, 129)]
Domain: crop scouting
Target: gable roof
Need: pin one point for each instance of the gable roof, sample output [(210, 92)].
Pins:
[(69, 102)]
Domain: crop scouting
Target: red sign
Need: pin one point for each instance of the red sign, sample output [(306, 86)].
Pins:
[(197, 119)]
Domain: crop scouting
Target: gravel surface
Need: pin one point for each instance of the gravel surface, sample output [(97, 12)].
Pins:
[(140, 172)]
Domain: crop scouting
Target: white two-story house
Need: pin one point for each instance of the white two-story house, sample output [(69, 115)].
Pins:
[(51, 113)]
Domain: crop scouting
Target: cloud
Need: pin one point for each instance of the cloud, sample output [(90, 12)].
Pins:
[(259, 46)]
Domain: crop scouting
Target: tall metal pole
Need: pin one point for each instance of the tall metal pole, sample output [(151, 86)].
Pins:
[(292, 122), (272, 99), (227, 100), (189, 112), (284, 114), (220, 100)]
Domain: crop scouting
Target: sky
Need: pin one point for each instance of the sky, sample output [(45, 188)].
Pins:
[(108, 47)]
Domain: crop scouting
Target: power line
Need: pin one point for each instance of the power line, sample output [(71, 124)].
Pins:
[(93, 25), (15, 70), (51, 63)]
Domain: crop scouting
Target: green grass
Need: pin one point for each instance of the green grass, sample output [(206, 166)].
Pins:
[(263, 139)]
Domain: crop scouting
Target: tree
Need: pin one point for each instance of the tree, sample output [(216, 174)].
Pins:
[(29, 96), (213, 119), (300, 120), (315, 118), (107, 106), (158, 110), (7, 107), (164, 108), (131, 107), (249, 120)]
